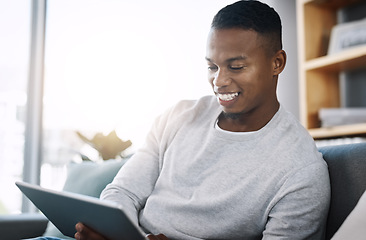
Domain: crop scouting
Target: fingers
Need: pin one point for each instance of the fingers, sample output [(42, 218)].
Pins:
[(86, 233), (157, 237)]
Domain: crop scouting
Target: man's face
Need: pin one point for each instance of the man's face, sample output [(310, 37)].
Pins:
[(240, 71)]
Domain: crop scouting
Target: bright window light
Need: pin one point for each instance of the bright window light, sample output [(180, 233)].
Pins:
[(117, 65)]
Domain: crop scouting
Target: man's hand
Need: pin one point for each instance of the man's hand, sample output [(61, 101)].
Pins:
[(157, 237), (86, 233)]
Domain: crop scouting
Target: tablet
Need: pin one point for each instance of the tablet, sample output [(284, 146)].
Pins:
[(65, 209)]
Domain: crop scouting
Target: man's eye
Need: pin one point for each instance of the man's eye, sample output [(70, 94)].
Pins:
[(236, 67), (212, 68)]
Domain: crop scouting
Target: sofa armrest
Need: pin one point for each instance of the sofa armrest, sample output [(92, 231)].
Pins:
[(347, 171), (15, 227)]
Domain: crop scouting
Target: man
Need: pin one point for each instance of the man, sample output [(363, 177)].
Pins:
[(235, 165)]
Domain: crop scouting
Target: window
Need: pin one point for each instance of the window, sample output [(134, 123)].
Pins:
[(115, 65), (109, 65), (14, 49)]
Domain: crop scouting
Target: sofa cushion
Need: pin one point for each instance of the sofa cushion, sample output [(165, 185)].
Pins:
[(90, 178), (87, 178), (354, 225), (347, 170), (20, 226)]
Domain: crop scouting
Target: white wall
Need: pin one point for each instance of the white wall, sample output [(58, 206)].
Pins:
[(288, 87)]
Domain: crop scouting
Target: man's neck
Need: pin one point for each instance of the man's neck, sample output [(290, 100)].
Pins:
[(247, 122)]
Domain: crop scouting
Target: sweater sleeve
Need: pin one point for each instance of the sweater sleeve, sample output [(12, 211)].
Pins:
[(136, 179), (301, 207)]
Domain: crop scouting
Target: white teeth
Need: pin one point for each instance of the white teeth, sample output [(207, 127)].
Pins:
[(227, 96)]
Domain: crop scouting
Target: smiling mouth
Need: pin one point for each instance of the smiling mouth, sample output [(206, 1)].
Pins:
[(226, 97)]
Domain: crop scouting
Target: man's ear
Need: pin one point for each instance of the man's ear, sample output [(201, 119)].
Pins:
[(279, 62)]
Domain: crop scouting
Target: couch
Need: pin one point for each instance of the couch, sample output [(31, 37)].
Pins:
[(347, 169)]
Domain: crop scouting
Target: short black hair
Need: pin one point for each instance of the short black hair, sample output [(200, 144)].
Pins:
[(252, 15)]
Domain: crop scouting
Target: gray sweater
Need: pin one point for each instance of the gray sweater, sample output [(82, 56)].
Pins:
[(194, 181)]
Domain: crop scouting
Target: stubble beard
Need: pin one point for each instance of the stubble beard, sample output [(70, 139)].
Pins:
[(233, 116)]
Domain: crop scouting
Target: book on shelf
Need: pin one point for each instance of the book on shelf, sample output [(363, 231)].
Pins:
[(331, 117)]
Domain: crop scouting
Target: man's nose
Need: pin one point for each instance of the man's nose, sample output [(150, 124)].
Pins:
[(221, 78)]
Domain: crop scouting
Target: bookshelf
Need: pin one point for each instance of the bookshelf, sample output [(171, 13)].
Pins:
[(319, 72)]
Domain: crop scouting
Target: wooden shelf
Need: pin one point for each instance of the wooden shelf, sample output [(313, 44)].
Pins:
[(330, 3), (318, 72), (338, 131), (346, 60)]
